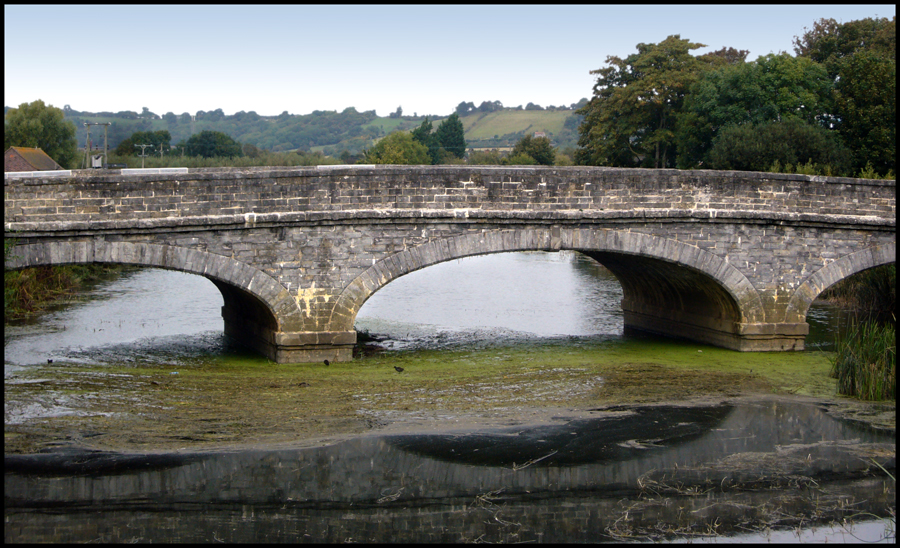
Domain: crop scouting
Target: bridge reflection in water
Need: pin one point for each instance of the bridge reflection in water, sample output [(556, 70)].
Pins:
[(569, 480)]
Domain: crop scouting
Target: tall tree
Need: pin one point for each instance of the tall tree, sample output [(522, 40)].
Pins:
[(860, 56), (630, 120), (450, 136), (425, 137), (37, 125), (774, 87)]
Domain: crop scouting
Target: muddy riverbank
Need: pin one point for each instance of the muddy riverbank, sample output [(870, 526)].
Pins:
[(152, 406)]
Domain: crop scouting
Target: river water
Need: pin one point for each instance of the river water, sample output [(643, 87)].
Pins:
[(569, 481)]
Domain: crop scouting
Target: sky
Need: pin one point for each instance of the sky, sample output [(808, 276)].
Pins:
[(425, 59)]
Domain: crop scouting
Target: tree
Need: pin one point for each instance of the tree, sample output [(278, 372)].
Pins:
[(538, 148), (860, 57), (490, 106), (465, 108), (757, 147), (398, 147), (396, 114), (830, 42), (159, 139), (37, 125), (630, 120), (210, 144), (774, 87), (450, 136), (485, 158), (425, 137), (866, 106)]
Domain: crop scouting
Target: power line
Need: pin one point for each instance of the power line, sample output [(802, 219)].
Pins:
[(142, 154)]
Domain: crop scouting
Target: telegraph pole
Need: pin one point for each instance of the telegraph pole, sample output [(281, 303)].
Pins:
[(89, 145), (142, 155)]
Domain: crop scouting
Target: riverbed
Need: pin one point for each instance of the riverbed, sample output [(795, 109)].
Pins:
[(463, 359)]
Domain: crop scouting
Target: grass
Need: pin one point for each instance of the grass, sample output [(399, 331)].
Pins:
[(865, 361), (478, 127)]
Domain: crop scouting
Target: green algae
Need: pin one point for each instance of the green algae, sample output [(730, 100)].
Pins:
[(241, 399)]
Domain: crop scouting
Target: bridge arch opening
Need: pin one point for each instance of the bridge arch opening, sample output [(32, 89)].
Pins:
[(493, 297), (669, 288), (255, 306), (836, 271)]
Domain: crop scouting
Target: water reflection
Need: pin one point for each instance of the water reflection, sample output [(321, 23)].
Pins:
[(435, 487), (499, 296)]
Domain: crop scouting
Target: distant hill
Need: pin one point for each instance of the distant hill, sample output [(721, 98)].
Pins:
[(329, 132)]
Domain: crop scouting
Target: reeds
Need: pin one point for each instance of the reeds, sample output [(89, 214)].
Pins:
[(865, 360)]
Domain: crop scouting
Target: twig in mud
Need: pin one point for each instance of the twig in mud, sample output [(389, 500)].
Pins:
[(529, 463), (486, 499), (390, 498)]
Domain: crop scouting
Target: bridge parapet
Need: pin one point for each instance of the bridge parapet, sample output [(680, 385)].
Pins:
[(210, 193)]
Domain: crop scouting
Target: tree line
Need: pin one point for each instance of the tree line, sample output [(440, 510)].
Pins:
[(831, 107)]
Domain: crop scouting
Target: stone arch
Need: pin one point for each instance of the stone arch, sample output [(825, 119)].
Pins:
[(743, 299), (246, 290), (834, 272)]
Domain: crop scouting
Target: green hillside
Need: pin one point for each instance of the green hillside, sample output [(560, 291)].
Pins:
[(329, 132), (491, 125)]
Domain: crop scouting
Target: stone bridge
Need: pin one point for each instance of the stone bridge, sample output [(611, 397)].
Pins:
[(732, 259)]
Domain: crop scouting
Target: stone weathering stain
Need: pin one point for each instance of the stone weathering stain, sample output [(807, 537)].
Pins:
[(732, 259)]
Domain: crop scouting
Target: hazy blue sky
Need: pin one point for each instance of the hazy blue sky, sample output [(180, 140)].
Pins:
[(298, 59)]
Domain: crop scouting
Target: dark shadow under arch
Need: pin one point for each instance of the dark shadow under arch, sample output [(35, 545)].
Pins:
[(836, 271)]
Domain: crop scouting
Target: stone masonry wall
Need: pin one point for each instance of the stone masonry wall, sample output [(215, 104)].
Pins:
[(205, 193)]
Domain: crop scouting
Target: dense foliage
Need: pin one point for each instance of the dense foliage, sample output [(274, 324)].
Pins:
[(210, 144), (447, 142), (36, 125), (630, 121), (832, 106), (398, 148), (860, 58), (537, 149), (158, 141)]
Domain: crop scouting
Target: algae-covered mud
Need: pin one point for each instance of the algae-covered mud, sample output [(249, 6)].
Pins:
[(473, 390), (170, 402)]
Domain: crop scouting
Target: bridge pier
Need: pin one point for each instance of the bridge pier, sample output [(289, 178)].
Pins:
[(743, 337), (249, 322), (297, 347)]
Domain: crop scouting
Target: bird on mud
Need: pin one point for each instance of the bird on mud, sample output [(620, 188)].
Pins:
[(399, 369)]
